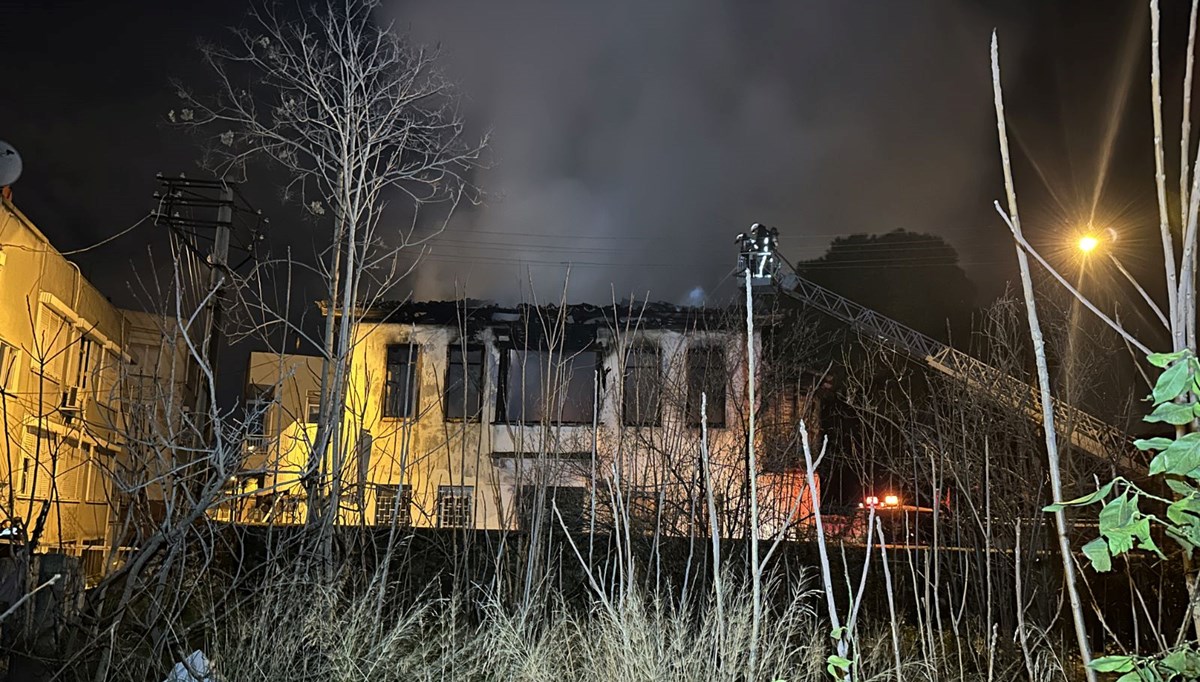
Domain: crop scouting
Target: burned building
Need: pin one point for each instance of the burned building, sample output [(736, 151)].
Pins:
[(462, 414)]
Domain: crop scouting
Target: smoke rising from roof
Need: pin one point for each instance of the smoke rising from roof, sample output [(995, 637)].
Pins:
[(635, 139)]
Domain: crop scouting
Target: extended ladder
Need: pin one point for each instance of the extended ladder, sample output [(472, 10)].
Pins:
[(1088, 433)]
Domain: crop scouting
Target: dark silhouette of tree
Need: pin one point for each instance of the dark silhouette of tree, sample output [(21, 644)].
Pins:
[(911, 277)]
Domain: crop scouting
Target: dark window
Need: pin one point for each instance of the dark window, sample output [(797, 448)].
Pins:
[(464, 383), (454, 506), (400, 385), (312, 407), (536, 505), (706, 374), (782, 449), (643, 387), (393, 504), (541, 385)]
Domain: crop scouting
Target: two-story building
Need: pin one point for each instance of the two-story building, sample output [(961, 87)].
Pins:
[(459, 414), (67, 356)]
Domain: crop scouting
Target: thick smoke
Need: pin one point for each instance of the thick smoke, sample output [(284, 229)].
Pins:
[(636, 139)]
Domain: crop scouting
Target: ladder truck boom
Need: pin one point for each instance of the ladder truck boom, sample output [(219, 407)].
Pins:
[(760, 259)]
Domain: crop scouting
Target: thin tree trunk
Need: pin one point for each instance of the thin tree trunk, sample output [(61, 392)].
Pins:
[(752, 481), (1043, 374)]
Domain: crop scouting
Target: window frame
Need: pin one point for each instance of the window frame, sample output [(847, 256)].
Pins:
[(412, 386), (641, 350), (259, 401), (464, 351), (400, 514), (457, 494), (508, 354), (54, 347), (717, 417), (309, 405), (8, 367)]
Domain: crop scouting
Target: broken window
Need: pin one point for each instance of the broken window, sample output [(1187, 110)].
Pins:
[(454, 506), (784, 405), (393, 504), (400, 385), (643, 387), (706, 375), (548, 386), (464, 382)]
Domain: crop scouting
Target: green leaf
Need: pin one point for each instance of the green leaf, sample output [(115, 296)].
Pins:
[(1185, 510), (1183, 662), (1091, 498), (1179, 458), (1117, 514), (836, 633), (1141, 531), (1112, 664), (837, 666), (1186, 537), (1180, 487), (1097, 552), (1172, 413), (1161, 360), (1145, 444), (1172, 383)]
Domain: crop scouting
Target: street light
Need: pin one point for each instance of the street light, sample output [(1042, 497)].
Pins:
[(1088, 243)]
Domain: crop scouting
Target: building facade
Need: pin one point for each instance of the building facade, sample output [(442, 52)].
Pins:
[(69, 360), (480, 416)]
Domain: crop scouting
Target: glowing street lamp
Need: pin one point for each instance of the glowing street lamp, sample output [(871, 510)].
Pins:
[(1088, 243)]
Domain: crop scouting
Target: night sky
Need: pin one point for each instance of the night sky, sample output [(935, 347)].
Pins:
[(636, 139)]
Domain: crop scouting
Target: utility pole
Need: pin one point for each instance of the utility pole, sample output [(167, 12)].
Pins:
[(218, 262), (196, 212)]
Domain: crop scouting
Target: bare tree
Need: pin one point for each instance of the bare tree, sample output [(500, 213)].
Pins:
[(356, 116)]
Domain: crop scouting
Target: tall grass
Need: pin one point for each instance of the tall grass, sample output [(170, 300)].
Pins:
[(303, 629)]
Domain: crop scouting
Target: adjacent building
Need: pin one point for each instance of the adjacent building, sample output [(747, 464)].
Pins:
[(78, 378), (461, 414)]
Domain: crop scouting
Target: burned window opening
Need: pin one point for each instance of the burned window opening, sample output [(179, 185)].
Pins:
[(707, 374), (400, 383), (464, 382), (642, 387), (540, 386)]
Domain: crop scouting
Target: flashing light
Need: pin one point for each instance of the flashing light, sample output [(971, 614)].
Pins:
[(1088, 243), (891, 500)]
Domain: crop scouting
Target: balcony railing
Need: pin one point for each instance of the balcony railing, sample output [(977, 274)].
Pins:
[(256, 444)]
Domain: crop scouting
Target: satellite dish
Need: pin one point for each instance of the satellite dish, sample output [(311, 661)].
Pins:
[(10, 164)]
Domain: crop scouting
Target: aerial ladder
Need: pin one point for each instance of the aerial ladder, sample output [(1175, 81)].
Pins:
[(760, 258)]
